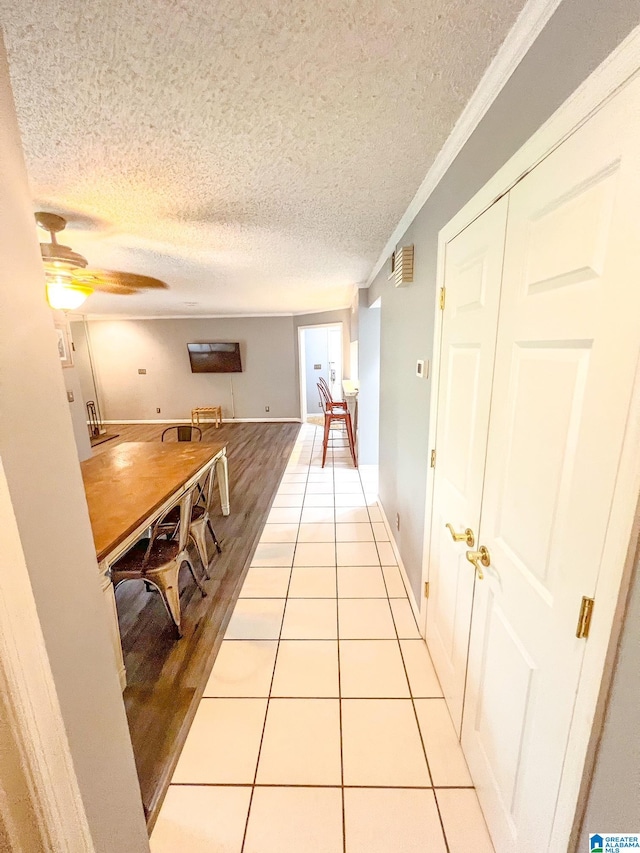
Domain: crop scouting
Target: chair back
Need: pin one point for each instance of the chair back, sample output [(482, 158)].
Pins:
[(161, 528), (203, 495), (325, 399), (328, 395), (184, 432), (322, 381)]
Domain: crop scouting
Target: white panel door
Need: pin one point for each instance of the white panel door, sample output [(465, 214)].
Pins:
[(567, 349), (472, 279)]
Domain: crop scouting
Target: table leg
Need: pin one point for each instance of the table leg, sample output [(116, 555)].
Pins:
[(114, 630), (222, 472)]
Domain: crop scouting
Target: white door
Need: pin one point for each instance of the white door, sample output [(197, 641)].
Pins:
[(473, 273), (567, 349), (334, 357)]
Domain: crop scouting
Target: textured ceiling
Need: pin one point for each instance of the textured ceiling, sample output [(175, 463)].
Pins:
[(255, 155)]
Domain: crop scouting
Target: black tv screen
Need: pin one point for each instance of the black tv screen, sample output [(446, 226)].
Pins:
[(215, 358)]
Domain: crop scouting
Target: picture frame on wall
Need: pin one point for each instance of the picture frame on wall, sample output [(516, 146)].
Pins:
[(65, 350)]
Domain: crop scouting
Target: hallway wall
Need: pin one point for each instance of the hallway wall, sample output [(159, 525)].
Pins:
[(369, 378), (44, 482), (545, 78)]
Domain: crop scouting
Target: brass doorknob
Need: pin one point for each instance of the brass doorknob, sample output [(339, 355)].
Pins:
[(478, 558), (467, 536)]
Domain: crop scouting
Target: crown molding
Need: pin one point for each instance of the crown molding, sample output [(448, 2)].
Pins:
[(528, 26), (105, 317), (93, 318)]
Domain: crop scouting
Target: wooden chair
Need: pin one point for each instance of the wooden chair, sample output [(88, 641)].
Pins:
[(158, 561), (185, 432), (335, 415)]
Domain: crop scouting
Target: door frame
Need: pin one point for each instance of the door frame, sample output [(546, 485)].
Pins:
[(32, 711), (615, 73), (302, 360)]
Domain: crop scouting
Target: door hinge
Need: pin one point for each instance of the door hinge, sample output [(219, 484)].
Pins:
[(433, 459), (584, 619), (442, 298), (426, 589)]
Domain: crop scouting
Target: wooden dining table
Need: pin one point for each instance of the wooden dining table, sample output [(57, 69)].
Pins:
[(128, 487)]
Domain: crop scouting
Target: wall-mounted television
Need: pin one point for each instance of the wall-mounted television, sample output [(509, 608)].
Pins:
[(215, 358)]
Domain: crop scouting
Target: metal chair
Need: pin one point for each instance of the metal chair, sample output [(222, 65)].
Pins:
[(335, 415), (158, 561), (336, 404), (200, 518), (185, 432)]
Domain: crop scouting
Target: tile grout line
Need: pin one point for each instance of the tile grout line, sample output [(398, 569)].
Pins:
[(307, 785), (424, 747), (273, 674), (415, 714), (335, 552)]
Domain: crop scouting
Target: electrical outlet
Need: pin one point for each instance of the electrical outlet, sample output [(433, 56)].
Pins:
[(266, 408), (397, 521), (142, 371), (157, 411)]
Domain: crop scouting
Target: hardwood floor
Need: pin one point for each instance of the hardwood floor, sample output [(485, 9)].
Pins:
[(165, 677)]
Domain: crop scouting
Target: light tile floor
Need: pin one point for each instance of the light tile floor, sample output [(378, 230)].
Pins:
[(322, 728)]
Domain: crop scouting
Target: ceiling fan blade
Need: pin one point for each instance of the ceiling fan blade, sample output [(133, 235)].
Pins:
[(112, 281)]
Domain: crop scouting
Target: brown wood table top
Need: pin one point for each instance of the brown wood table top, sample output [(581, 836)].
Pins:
[(126, 484)]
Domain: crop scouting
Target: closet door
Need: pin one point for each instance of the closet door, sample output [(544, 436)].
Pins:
[(473, 272), (567, 350)]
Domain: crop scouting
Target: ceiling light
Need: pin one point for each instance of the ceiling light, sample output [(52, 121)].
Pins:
[(65, 295)]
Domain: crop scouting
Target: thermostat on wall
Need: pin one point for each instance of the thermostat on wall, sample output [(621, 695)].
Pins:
[(421, 370)]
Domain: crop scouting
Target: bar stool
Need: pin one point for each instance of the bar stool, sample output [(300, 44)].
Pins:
[(335, 413)]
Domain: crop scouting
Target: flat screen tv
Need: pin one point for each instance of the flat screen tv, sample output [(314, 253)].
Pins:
[(215, 358)]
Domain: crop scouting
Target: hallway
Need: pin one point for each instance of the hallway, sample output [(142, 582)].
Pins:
[(322, 728)]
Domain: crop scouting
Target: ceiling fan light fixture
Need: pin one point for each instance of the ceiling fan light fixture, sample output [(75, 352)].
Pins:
[(70, 282), (64, 295)]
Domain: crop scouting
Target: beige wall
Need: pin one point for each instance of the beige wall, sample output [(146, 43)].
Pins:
[(121, 347), (40, 461)]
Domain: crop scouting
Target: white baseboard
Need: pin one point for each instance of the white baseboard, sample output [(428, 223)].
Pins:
[(412, 600), (208, 421)]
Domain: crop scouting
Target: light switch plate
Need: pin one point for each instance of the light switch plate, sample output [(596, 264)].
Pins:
[(70, 397), (422, 368)]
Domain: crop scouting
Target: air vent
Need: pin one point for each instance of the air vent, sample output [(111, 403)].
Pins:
[(403, 266)]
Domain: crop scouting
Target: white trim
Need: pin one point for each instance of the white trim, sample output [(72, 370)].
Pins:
[(302, 375), (528, 26), (431, 436), (405, 577), (32, 702), (105, 317), (612, 588), (92, 318), (209, 421)]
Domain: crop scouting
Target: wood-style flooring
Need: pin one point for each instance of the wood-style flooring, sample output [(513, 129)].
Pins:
[(165, 676)]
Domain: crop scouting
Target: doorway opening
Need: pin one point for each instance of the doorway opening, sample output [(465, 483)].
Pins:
[(320, 353)]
